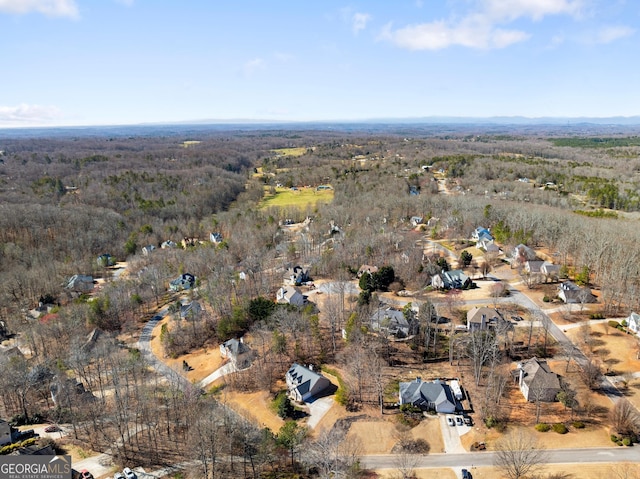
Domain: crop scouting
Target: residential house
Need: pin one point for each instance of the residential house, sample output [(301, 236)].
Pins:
[(537, 382), (533, 266), (297, 275), (105, 260), (291, 295), (390, 320), (191, 310), (569, 292), (453, 279), (481, 232), (147, 250), (522, 253), (633, 322), (416, 221), (66, 390), (305, 385), (80, 283), (215, 238), (488, 245), (482, 318), (237, 352), (184, 281), (168, 244), (550, 271), (428, 396)]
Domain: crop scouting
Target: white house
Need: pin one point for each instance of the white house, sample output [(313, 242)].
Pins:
[(304, 384), (633, 322)]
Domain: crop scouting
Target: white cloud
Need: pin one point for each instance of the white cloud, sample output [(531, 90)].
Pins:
[(534, 9), (28, 114), (470, 33), (51, 8), (612, 33), (252, 66), (482, 28), (359, 21)]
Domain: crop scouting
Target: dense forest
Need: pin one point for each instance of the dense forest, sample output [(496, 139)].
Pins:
[(68, 197)]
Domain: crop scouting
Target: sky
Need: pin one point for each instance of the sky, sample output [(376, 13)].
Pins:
[(106, 62)]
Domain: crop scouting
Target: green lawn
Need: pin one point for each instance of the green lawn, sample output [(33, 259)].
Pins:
[(301, 198)]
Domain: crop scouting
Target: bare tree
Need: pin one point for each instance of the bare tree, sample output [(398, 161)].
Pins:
[(518, 454), (406, 463), (624, 418)]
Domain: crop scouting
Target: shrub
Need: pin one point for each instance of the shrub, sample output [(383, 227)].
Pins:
[(560, 428), (596, 316), (546, 299), (614, 438), (626, 441), (490, 422), (613, 324), (542, 427), (578, 425)]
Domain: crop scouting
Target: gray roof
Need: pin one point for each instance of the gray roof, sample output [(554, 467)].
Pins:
[(235, 346), (537, 374), (427, 395), (306, 381)]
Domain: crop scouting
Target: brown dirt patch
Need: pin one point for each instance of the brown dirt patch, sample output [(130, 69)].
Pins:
[(442, 473), (429, 430), (204, 361), (376, 437), (253, 406)]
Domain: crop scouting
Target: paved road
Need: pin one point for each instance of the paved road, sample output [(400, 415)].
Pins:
[(487, 458), (144, 345)]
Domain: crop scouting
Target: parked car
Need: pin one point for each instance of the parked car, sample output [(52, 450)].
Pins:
[(466, 474), (458, 420), (129, 473), (52, 428), (516, 318), (84, 474), (467, 421), (118, 475), (450, 421)]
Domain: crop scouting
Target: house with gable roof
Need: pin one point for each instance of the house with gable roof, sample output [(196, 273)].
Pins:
[(453, 279), (633, 322), (569, 292), (537, 382), (306, 385), (291, 295), (429, 396), (237, 352)]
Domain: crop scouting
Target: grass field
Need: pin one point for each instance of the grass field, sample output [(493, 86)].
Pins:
[(291, 151), (299, 198)]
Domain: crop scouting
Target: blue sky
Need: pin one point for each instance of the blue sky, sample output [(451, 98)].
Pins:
[(99, 62)]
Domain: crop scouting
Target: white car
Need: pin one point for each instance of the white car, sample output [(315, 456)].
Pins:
[(450, 421), (129, 474)]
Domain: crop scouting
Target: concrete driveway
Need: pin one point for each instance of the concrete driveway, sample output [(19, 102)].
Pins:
[(317, 410), (451, 435)]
